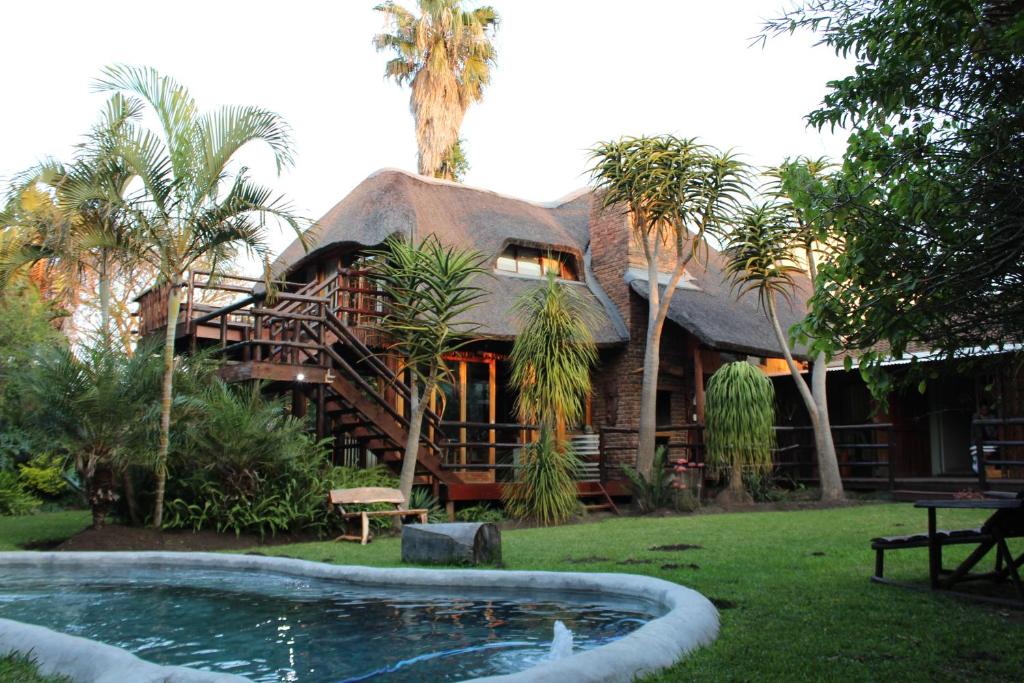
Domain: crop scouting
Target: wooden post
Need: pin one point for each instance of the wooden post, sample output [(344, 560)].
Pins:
[(298, 402), (321, 407), (934, 551), (980, 452), (889, 457), (698, 381), (257, 351)]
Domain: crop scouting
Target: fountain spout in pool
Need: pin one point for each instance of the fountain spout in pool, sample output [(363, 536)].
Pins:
[(561, 643)]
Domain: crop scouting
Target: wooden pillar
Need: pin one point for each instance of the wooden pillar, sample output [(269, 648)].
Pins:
[(298, 402), (321, 412), (698, 380)]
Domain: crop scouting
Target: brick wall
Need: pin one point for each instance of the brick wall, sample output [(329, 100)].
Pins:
[(618, 379)]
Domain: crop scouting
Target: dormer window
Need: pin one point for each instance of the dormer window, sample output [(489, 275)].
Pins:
[(533, 262)]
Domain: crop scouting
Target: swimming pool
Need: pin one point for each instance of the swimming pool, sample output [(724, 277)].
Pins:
[(263, 619)]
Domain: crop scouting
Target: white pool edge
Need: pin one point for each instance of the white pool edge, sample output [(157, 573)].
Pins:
[(691, 621)]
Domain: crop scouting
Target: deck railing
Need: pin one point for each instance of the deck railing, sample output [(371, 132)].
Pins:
[(864, 452), (998, 447)]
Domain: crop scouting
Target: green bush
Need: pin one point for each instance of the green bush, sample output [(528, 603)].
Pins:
[(652, 493), (545, 486), (480, 513), (423, 499), (14, 499), (44, 474)]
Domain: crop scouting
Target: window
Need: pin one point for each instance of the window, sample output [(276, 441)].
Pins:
[(535, 262), (663, 409)]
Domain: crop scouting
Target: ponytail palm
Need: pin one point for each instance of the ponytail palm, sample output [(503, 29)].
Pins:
[(194, 205), (739, 419), (446, 54)]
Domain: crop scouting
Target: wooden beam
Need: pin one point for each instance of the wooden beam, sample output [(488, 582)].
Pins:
[(275, 372)]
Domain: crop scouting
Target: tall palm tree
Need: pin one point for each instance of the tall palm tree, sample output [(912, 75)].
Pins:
[(674, 191), (193, 205), (430, 295), (446, 55)]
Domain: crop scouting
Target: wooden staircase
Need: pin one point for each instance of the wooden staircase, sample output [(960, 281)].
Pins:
[(301, 339)]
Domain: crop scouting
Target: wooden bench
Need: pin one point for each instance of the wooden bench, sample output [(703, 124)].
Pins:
[(883, 543), (369, 495)]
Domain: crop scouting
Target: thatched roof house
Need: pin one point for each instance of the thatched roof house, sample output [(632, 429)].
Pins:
[(395, 202)]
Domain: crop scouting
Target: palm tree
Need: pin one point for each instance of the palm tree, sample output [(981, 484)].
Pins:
[(551, 361), (674, 190), (78, 219), (762, 254), (446, 55), (193, 205), (430, 293), (92, 405)]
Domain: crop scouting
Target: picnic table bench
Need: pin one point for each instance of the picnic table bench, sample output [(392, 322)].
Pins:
[(369, 495), (1006, 521)]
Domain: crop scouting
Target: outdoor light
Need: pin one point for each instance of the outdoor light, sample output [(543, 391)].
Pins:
[(300, 377)]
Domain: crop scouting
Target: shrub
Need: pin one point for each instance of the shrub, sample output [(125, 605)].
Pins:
[(480, 513), (545, 486), (423, 499), (655, 492), (14, 499), (43, 474)]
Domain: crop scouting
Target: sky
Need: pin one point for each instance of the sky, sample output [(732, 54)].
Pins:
[(569, 73)]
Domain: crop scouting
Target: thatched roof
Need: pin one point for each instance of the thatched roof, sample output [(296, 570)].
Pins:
[(393, 202), (713, 314)]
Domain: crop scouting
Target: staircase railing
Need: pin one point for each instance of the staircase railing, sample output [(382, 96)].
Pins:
[(302, 328)]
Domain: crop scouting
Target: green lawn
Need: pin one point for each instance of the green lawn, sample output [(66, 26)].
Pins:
[(797, 603), (15, 532)]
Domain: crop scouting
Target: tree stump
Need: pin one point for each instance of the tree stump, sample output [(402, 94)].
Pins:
[(455, 543)]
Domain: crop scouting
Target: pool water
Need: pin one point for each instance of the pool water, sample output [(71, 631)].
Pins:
[(275, 627)]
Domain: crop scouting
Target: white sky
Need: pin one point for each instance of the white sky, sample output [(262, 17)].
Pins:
[(570, 73)]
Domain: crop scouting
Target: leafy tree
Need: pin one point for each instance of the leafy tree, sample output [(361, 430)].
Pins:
[(446, 56), (762, 251), (430, 295), (194, 205), (85, 227), (928, 204), (455, 166), (739, 422), (551, 362), (674, 190)]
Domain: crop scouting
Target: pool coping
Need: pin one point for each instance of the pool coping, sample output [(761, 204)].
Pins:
[(690, 622)]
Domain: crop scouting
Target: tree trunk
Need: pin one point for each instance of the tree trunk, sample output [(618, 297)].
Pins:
[(828, 466), (101, 494), (160, 467), (104, 292), (828, 469), (128, 486), (417, 408), (649, 396), (736, 480)]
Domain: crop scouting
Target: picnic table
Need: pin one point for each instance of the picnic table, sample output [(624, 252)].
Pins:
[(1006, 521)]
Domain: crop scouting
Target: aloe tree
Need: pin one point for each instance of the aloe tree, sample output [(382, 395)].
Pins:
[(551, 357), (763, 254), (446, 56), (430, 297), (739, 419), (194, 205), (673, 190)]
